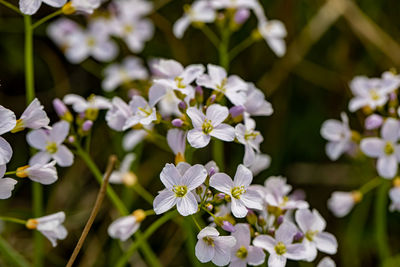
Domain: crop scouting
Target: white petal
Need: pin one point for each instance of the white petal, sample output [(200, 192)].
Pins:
[(63, 156), (372, 146), (285, 232), (217, 114), (326, 242), (203, 251), (176, 140), (194, 176), (326, 262), (387, 166), (255, 256), (6, 187), (224, 132), (29, 7), (390, 130), (196, 116), (197, 138), (216, 73), (133, 138), (239, 210), (37, 139), (59, 132), (7, 120), (164, 201), (170, 176), (332, 130), (55, 3), (5, 151), (223, 245), (243, 176), (265, 242), (156, 93), (180, 26), (242, 235), (222, 182), (252, 200), (187, 205), (123, 228), (276, 261), (295, 251)]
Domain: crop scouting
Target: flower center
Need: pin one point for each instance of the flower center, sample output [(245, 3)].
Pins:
[(180, 190), (374, 95), (209, 241), (221, 87), (241, 253), (250, 135), (51, 147), (310, 235), (207, 126), (237, 191), (128, 29), (145, 111), (280, 248), (389, 148), (179, 83), (91, 42)]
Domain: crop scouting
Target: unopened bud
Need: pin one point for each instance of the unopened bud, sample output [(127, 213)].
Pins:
[(298, 237), (140, 215), (236, 111), (280, 219), (227, 226), (373, 122), (87, 125), (241, 15), (182, 106), (177, 122), (212, 171), (62, 110)]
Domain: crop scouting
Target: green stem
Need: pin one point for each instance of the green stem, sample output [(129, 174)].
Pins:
[(223, 48), (188, 228), (157, 224), (143, 193), (14, 220), (37, 190), (380, 221), (210, 35), (10, 255), (10, 6), (48, 17), (218, 153), (10, 173), (240, 47), (370, 185)]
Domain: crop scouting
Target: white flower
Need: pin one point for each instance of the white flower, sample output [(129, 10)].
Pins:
[(260, 163), (29, 7), (241, 196), (178, 189), (200, 11), (255, 104), (6, 184), (233, 87), (41, 173), (124, 227), (372, 92), (50, 226), (243, 253), (386, 149), (116, 74), (123, 174), (60, 32), (338, 133), (7, 123), (394, 195), (274, 31), (251, 140), (34, 117), (118, 114), (326, 262), (50, 144), (341, 203), (94, 41), (133, 8), (313, 225), (212, 247), (80, 104), (87, 6), (281, 248), (209, 125), (141, 111), (177, 142), (133, 138)]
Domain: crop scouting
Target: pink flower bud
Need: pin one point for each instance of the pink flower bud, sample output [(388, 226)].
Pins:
[(373, 121), (177, 123), (227, 226), (241, 15)]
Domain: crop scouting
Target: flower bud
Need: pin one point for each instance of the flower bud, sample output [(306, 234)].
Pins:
[(71, 139), (182, 106), (209, 206), (199, 94), (373, 122), (298, 237), (279, 220), (227, 226), (177, 123), (87, 125), (62, 110), (212, 171), (241, 15), (236, 111), (251, 217)]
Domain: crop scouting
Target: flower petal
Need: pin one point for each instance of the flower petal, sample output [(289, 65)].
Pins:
[(164, 201)]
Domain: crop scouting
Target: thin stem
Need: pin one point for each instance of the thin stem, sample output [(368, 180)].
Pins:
[(240, 47), (209, 212), (218, 153), (96, 208), (10, 255), (380, 221), (370, 185), (10, 173), (210, 35), (48, 17), (157, 224), (10, 6), (195, 222), (14, 220), (143, 193)]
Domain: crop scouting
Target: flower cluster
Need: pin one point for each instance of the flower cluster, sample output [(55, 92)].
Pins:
[(377, 100)]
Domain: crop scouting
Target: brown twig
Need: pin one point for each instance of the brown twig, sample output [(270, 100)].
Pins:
[(96, 208)]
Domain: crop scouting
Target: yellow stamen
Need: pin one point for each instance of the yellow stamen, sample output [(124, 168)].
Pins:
[(21, 171), (140, 215), (31, 224)]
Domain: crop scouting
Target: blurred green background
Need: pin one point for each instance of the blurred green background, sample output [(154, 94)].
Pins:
[(329, 42)]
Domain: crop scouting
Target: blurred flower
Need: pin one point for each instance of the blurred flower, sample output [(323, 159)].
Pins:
[(338, 134), (313, 225), (116, 74), (118, 114), (255, 104), (124, 227), (6, 184), (241, 15), (50, 226), (261, 162), (34, 117), (179, 189), (209, 125), (385, 149), (274, 32), (242, 196), (61, 30), (62, 110), (251, 140), (233, 87), (49, 142), (90, 107), (29, 7), (326, 262), (394, 195), (123, 174), (373, 122), (7, 123), (281, 247), (41, 173), (341, 203), (132, 138), (141, 112), (86, 6), (177, 142), (212, 247)]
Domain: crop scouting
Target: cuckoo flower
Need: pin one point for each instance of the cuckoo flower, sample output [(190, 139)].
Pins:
[(91, 106), (178, 189), (7, 123), (86, 6), (209, 125), (281, 247), (255, 104), (386, 148), (41, 173), (177, 142), (241, 196), (142, 112), (50, 226), (29, 7), (124, 227), (50, 144), (251, 140), (213, 247), (394, 195), (274, 32), (123, 174), (312, 226), (233, 87), (260, 163), (341, 203), (118, 114), (243, 253), (338, 133), (6, 184), (34, 117)]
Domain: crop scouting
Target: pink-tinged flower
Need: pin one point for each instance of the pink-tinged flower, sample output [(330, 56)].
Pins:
[(281, 247), (261, 162), (124, 227), (41, 173), (326, 262), (209, 125), (341, 203), (213, 247), (118, 114), (6, 184), (29, 7), (312, 226), (7, 123), (142, 112), (91, 104), (116, 74), (50, 144), (338, 133), (242, 196), (274, 32), (255, 104), (385, 148), (34, 117), (86, 6), (243, 253), (373, 122), (251, 140), (50, 226), (179, 188), (176, 140)]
